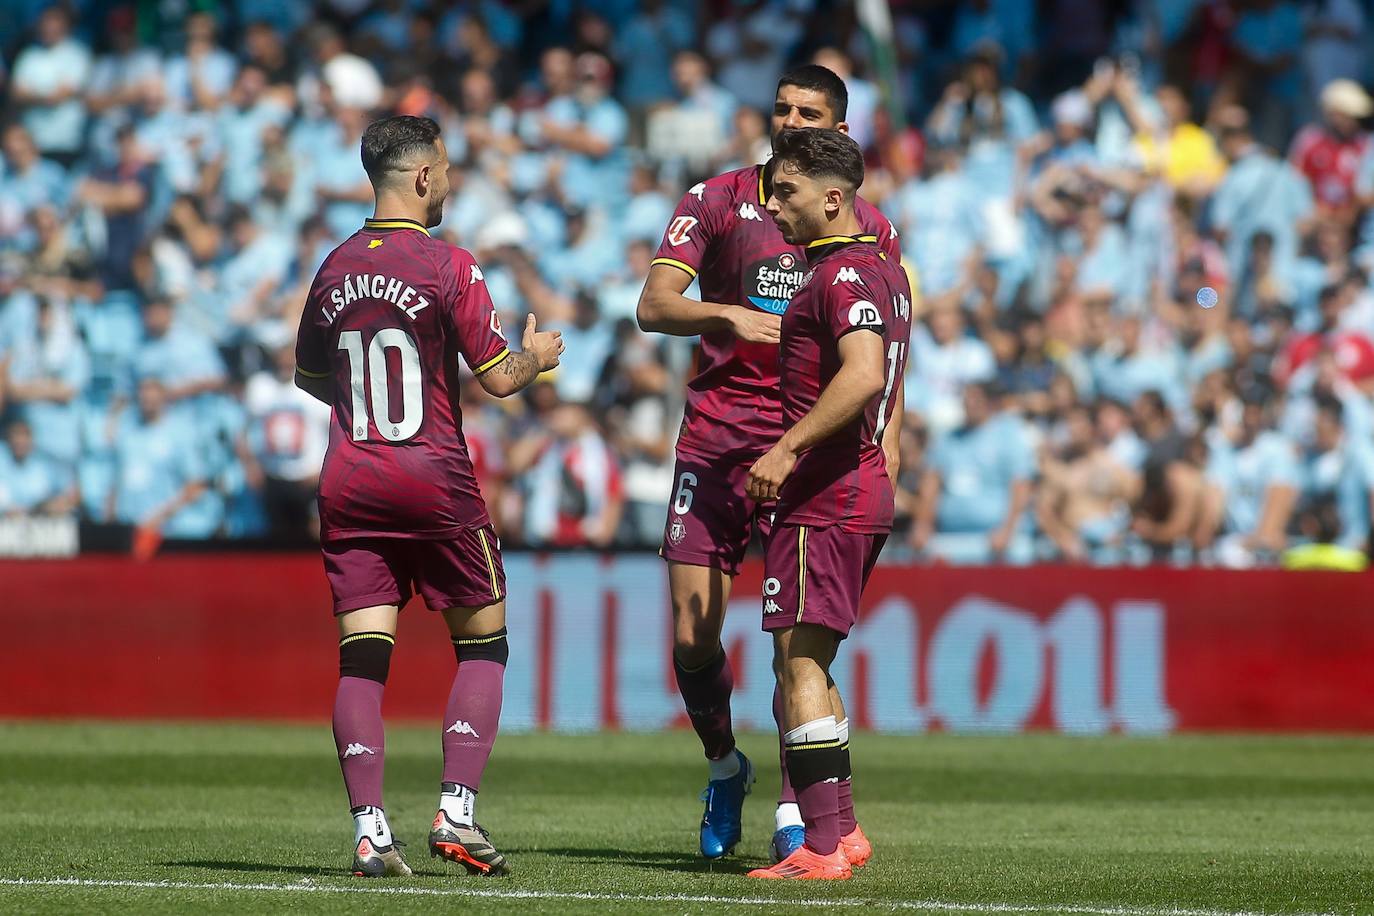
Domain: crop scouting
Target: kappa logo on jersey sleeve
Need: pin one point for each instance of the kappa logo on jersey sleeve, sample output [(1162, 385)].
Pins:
[(477, 274), (847, 275), (679, 228), (749, 211), (864, 315), (698, 190)]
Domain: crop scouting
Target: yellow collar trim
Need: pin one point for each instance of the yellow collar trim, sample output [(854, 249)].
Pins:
[(832, 239), (394, 224)]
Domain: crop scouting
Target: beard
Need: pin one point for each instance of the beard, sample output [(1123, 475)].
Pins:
[(434, 215)]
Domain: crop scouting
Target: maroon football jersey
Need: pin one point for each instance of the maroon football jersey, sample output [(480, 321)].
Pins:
[(387, 317), (853, 287), (722, 235)]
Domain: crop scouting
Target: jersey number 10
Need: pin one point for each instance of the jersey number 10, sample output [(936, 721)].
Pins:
[(412, 398)]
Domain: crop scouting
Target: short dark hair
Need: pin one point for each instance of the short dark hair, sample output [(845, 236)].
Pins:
[(389, 142), (820, 152), (823, 80)]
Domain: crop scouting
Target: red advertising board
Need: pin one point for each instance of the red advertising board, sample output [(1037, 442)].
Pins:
[(1078, 650)]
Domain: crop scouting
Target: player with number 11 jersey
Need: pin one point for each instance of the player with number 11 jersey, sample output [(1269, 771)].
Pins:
[(721, 236)]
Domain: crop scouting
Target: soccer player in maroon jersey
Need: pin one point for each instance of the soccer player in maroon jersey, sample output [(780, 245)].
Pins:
[(389, 314), (722, 236), (843, 353)]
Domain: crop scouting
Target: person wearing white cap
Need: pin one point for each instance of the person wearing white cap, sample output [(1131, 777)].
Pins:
[(1329, 153)]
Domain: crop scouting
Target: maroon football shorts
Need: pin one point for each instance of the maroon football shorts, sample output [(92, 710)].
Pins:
[(816, 575), (463, 571), (710, 518)]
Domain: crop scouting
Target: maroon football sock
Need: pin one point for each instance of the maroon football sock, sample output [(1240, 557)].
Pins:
[(845, 797), (706, 694), (474, 707), (788, 795), (818, 795), (846, 785), (359, 738)]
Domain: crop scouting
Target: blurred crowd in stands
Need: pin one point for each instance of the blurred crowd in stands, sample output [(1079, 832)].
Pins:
[(1066, 175)]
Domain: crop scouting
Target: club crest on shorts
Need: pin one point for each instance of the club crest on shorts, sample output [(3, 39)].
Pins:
[(677, 532)]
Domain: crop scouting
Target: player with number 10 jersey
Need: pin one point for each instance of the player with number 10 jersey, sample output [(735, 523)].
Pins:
[(389, 314)]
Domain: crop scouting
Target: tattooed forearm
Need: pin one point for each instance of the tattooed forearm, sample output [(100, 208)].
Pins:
[(519, 368)]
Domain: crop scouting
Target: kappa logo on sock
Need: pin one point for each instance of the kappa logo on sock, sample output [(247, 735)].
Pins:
[(462, 728), (357, 750)]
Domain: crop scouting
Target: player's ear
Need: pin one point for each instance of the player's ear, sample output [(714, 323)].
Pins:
[(842, 127), (422, 181), (834, 200)]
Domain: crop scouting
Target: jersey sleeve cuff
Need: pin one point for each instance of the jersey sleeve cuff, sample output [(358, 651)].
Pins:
[(493, 362), (308, 374), (680, 265)]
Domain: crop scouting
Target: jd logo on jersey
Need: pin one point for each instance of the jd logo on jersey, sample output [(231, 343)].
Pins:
[(772, 282)]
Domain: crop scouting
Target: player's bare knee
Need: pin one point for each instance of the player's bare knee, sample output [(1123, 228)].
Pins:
[(366, 655)]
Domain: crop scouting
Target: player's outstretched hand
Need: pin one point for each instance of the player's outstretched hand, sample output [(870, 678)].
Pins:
[(753, 326), (768, 473), (546, 346)]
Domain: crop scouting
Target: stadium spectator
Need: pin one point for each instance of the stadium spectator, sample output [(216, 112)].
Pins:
[(1329, 154), (1337, 482), (1258, 471), (288, 433), (32, 483), (1085, 494), (161, 483), (183, 360), (1266, 42), (977, 487), (944, 359), (1170, 144), (28, 182), (48, 80), (200, 76), (645, 47), (575, 492), (45, 373), (1259, 193)]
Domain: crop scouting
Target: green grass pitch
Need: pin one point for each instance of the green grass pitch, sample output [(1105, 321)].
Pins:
[(246, 818)]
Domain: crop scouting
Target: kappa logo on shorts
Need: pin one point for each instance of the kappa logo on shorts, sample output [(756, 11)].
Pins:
[(357, 750), (677, 532), (462, 728), (771, 607)]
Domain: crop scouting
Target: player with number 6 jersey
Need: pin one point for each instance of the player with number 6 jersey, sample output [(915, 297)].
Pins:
[(722, 236), (390, 313)]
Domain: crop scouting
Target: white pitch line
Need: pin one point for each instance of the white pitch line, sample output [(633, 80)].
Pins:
[(872, 903)]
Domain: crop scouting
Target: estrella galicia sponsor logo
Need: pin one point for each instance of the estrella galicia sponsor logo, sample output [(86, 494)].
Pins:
[(772, 282)]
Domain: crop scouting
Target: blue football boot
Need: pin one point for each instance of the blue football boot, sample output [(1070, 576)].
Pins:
[(720, 824), (787, 840)]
